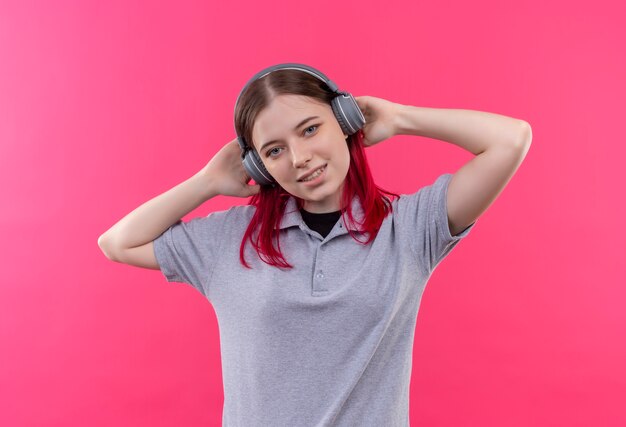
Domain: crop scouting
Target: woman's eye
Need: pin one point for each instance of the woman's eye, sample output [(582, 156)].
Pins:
[(269, 152), (314, 126)]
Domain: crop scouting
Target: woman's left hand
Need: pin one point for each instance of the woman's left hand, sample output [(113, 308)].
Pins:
[(380, 118)]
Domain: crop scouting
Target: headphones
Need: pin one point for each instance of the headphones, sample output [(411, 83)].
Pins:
[(344, 107)]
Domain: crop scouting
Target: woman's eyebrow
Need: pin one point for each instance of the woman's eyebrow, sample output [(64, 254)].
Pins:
[(295, 128)]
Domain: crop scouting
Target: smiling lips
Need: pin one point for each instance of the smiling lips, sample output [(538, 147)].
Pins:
[(320, 169)]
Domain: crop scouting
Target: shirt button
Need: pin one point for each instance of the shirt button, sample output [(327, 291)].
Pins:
[(320, 275)]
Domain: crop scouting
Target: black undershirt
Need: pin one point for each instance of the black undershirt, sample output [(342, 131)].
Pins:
[(321, 222)]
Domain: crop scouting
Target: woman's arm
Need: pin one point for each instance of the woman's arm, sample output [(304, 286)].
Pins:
[(150, 220), (224, 174), (500, 144), (475, 131)]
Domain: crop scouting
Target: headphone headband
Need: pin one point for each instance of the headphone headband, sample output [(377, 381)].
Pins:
[(289, 66)]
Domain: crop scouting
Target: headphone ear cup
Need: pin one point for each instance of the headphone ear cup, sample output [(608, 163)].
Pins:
[(256, 169), (348, 113)]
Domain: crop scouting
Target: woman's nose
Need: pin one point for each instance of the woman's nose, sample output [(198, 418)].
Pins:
[(300, 156)]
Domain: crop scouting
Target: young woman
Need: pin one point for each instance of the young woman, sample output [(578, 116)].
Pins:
[(316, 283)]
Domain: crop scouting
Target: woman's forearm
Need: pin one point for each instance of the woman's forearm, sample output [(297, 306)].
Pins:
[(151, 219), (472, 130)]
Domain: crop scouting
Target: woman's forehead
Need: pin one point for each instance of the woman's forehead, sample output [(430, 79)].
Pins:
[(284, 113)]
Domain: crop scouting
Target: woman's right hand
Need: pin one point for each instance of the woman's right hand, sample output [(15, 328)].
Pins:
[(227, 174)]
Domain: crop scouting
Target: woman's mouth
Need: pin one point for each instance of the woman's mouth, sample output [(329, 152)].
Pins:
[(315, 176)]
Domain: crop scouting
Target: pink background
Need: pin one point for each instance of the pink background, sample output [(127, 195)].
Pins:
[(105, 105)]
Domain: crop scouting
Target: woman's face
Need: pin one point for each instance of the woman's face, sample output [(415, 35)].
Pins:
[(292, 148)]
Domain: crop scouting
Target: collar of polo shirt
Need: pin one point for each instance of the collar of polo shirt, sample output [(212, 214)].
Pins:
[(293, 217)]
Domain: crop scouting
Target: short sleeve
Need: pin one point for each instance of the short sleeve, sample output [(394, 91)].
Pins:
[(424, 216), (187, 251)]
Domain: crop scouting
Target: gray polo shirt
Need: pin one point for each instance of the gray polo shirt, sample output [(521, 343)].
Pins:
[(329, 342)]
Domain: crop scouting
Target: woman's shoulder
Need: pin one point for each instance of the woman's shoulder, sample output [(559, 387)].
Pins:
[(234, 214), (425, 198), (438, 184)]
